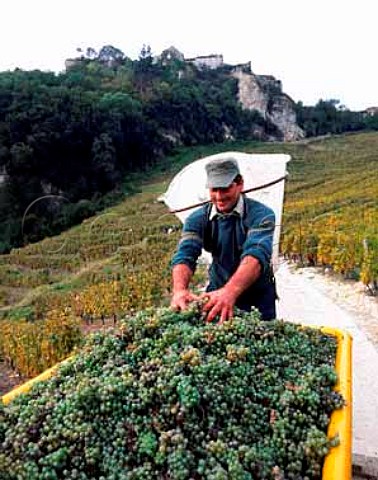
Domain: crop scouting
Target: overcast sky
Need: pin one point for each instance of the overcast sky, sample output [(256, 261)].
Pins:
[(323, 49)]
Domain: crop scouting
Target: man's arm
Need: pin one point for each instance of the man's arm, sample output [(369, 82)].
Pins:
[(181, 295), (221, 302), (184, 260)]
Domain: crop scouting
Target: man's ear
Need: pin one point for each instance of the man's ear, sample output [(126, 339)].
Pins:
[(239, 180)]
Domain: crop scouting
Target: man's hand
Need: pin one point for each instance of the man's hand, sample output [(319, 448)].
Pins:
[(219, 302), (181, 299), (182, 296)]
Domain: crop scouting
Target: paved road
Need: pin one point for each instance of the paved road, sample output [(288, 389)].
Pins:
[(302, 301)]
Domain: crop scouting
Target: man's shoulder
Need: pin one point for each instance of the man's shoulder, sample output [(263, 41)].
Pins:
[(255, 208), (199, 214)]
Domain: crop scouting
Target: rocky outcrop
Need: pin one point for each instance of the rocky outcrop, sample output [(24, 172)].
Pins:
[(251, 95), (282, 114), (264, 94)]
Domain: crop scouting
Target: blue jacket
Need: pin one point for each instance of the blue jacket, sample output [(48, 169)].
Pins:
[(229, 238)]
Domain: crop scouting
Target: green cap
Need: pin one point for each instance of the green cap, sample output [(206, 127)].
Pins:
[(221, 172)]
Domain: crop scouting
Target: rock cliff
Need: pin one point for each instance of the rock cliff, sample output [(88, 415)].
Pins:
[(256, 92), (264, 94)]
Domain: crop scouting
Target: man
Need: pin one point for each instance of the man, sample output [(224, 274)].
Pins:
[(238, 232)]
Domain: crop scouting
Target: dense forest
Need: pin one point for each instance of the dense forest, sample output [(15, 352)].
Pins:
[(69, 141), (329, 117)]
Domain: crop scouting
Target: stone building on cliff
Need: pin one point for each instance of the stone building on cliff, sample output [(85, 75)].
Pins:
[(262, 93)]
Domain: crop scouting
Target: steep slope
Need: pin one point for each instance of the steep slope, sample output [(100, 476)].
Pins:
[(264, 94)]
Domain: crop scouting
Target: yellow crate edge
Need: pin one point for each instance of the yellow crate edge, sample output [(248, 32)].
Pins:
[(338, 463), (25, 387)]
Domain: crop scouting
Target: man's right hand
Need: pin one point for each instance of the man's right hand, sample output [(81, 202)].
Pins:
[(182, 299)]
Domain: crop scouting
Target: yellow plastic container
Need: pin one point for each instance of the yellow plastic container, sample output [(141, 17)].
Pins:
[(338, 463)]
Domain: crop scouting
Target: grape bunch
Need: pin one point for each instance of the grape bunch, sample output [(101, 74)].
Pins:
[(168, 396)]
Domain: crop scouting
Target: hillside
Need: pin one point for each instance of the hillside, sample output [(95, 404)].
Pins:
[(118, 261), (69, 143)]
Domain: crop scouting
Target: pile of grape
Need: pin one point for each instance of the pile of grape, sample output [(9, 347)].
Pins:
[(168, 396)]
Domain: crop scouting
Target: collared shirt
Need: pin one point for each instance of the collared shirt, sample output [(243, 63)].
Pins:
[(239, 209)]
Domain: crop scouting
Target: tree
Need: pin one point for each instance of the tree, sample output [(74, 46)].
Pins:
[(104, 162), (328, 116), (91, 53), (145, 53), (110, 55)]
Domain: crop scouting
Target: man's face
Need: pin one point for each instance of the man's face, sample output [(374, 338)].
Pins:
[(225, 199)]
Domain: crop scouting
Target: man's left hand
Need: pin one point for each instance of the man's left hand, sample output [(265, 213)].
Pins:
[(219, 303)]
